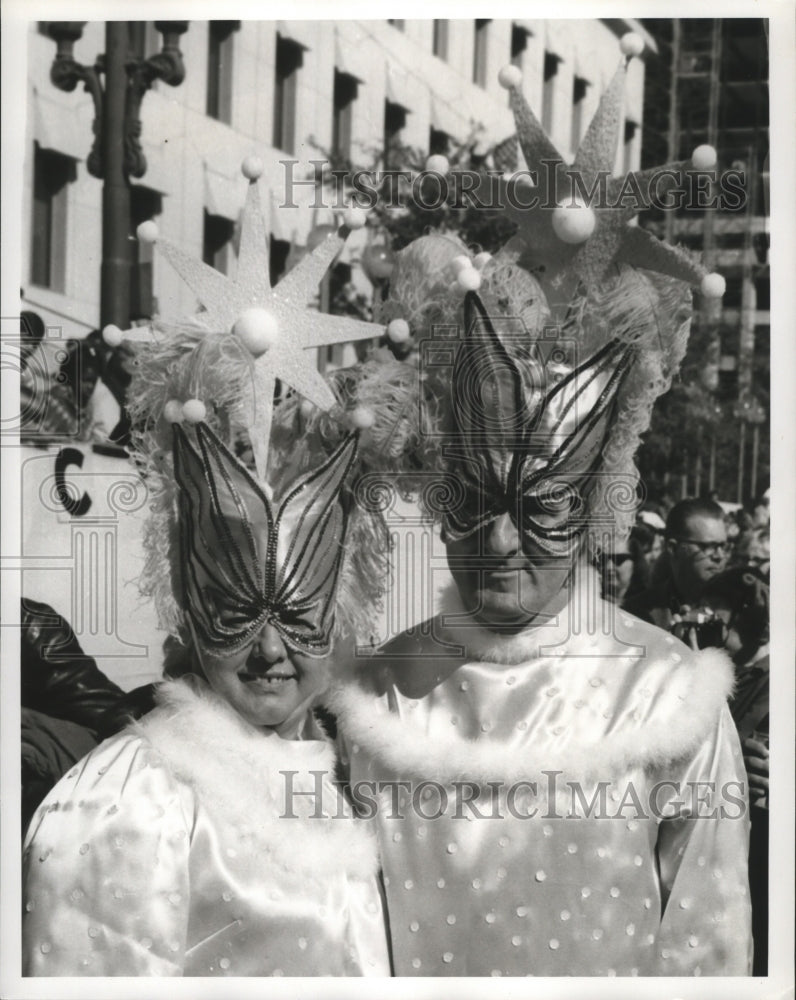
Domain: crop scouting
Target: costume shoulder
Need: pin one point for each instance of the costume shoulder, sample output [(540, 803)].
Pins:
[(247, 779), (629, 697)]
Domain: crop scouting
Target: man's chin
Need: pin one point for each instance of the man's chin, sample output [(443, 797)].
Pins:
[(501, 609)]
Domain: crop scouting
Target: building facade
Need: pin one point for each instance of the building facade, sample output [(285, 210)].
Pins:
[(285, 91)]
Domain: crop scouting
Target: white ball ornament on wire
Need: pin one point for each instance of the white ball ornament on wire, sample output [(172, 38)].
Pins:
[(147, 231), (468, 279), (704, 157), (631, 44), (510, 77), (355, 217), (172, 411), (460, 262), (438, 164), (194, 411), (573, 222), (398, 331), (713, 286), (362, 417), (112, 335), (258, 330), (252, 168)]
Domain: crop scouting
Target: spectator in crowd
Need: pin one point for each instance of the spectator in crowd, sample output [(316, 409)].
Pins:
[(755, 550), (645, 546), (740, 597), (31, 328), (695, 550), (616, 571), (761, 513)]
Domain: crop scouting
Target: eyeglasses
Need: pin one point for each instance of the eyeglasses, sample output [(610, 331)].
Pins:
[(706, 548)]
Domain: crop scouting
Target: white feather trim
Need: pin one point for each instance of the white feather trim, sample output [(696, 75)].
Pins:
[(234, 770), (690, 696)]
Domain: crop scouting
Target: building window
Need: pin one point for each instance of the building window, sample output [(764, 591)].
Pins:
[(631, 130), (394, 124), (439, 142), (548, 90), (396, 24), (441, 39), (289, 58), (579, 88), (220, 38), (145, 204), (278, 251), (217, 241), (52, 174), (345, 94), (519, 43), (480, 60)]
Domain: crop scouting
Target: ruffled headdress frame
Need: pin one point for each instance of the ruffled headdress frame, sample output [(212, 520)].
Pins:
[(239, 536), (538, 367)]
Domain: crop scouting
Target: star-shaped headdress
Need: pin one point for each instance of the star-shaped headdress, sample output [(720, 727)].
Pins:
[(273, 327), (574, 221)]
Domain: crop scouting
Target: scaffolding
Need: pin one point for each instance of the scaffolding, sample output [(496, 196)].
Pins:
[(718, 94)]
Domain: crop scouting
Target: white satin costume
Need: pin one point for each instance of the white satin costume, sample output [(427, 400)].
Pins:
[(168, 852), (651, 880)]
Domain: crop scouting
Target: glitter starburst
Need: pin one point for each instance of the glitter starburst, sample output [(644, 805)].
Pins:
[(274, 324), (575, 220)]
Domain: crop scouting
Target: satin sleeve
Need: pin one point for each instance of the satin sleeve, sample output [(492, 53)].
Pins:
[(365, 931), (105, 869), (702, 847)]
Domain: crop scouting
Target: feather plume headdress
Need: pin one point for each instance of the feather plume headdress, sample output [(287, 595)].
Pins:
[(556, 348), (238, 537)]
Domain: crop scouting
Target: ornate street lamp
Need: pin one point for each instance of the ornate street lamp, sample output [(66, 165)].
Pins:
[(116, 154)]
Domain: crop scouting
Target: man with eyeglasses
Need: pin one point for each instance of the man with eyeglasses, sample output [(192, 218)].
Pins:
[(696, 550)]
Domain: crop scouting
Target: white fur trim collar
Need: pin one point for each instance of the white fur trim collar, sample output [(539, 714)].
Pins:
[(234, 770), (695, 689)]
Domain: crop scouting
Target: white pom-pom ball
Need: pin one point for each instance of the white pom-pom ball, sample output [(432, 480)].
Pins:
[(362, 417), (112, 335), (481, 260), (510, 77), (631, 44), (713, 286), (438, 164), (573, 222), (148, 231), (252, 168), (194, 411), (468, 279), (355, 217), (398, 331), (306, 408), (704, 157), (172, 411), (258, 329), (461, 262)]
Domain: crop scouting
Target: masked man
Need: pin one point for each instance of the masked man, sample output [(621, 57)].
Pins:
[(558, 786)]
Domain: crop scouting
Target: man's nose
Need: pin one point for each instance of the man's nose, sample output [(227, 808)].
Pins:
[(502, 537), (270, 646)]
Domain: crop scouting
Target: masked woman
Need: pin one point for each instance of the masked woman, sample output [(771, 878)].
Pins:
[(208, 838)]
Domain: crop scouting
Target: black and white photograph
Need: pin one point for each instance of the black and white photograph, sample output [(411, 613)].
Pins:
[(396, 417)]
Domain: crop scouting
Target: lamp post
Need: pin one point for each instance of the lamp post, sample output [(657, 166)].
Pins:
[(116, 154)]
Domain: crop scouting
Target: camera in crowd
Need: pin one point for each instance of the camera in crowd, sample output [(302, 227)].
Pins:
[(700, 628)]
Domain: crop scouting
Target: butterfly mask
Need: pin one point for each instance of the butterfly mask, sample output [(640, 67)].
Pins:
[(245, 562), (524, 448)]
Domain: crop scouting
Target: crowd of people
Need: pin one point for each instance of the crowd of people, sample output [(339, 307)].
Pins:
[(703, 575)]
